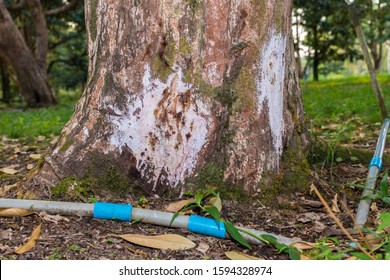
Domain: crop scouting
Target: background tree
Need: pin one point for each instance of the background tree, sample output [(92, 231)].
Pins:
[(329, 33), (29, 48), (376, 26), (181, 89)]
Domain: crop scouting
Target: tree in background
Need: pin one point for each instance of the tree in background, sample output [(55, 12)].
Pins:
[(376, 26), (329, 33), (25, 44)]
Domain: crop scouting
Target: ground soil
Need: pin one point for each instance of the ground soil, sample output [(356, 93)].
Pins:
[(298, 215)]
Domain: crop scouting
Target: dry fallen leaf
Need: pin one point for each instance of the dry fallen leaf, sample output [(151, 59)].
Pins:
[(176, 206), (216, 202), (203, 247), (8, 170), (304, 257), (52, 218), (14, 212), (234, 255), (303, 245), (35, 156), (164, 242), (335, 207), (30, 166), (31, 241)]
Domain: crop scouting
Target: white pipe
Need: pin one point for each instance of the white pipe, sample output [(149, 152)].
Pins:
[(137, 214), (374, 168)]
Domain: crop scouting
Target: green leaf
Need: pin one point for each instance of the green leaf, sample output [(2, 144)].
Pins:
[(294, 254), (198, 198), (372, 196), (385, 217), (213, 211), (339, 159), (385, 185), (189, 206), (386, 200), (215, 201), (233, 232), (361, 256)]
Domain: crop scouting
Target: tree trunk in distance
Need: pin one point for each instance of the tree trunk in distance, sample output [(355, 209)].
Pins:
[(32, 83), (178, 90), (5, 81)]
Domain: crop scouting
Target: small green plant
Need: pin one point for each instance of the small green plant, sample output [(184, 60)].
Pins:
[(92, 200), (75, 247), (383, 193), (56, 255), (212, 207)]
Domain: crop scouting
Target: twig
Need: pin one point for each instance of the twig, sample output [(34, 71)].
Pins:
[(338, 222), (359, 230)]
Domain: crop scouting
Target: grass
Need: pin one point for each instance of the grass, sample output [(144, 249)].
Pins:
[(338, 107), (29, 123)]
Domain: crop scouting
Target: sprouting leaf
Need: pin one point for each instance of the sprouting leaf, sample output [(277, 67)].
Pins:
[(385, 221), (8, 170), (233, 232), (164, 242), (187, 207), (213, 212), (198, 198), (234, 255), (31, 241), (177, 206), (14, 212), (216, 202)]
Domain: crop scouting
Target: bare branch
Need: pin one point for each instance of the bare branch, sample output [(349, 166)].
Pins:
[(20, 5), (64, 8)]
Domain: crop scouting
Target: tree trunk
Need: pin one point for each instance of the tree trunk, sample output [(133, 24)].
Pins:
[(182, 89), (41, 34), (32, 82), (5, 81)]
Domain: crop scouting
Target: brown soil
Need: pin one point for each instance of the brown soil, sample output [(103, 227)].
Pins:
[(299, 215)]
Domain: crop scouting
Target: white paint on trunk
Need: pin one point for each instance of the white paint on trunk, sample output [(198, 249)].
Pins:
[(165, 133), (270, 87)]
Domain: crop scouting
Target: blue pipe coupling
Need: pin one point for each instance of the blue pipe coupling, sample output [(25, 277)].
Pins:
[(206, 226), (112, 211), (376, 161)]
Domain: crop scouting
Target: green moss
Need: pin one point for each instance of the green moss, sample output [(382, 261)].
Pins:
[(184, 47), (194, 6), (93, 20), (244, 89), (162, 63), (72, 188), (294, 177), (324, 153), (114, 180), (68, 142)]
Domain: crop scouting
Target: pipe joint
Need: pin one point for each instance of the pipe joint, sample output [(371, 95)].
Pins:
[(206, 226), (376, 161), (112, 211)]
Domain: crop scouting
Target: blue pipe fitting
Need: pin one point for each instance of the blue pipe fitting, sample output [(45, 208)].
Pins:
[(112, 211), (206, 226), (376, 161)]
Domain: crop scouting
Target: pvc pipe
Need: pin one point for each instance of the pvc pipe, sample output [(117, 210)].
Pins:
[(126, 212), (373, 170)]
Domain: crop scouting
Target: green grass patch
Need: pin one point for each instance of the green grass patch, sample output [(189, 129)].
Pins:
[(30, 123), (338, 108)]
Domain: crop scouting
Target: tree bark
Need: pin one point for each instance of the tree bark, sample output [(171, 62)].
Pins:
[(179, 88), (5, 81), (32, 83)]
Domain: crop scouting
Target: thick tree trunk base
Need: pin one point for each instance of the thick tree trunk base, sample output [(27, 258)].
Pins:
[(184, 98)]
